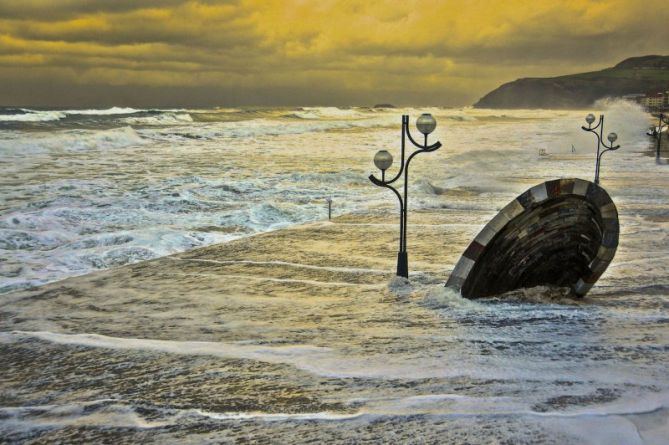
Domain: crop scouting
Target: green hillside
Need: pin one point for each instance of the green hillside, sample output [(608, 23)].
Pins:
[(633, 75)]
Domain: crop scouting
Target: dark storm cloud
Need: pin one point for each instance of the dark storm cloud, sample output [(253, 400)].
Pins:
[(50, 10), (304, 52)]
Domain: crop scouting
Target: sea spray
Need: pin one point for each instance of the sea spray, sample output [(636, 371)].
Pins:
[(440, 296)]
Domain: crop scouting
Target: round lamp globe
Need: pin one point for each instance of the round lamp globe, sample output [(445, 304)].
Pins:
[(426, 123), (383, 160)]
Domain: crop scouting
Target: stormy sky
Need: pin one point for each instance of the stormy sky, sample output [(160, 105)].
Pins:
[(85, 53)]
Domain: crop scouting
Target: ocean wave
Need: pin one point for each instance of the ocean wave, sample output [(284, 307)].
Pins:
[(302, 115), (89, 243), (264, 216), (327, 113), (106, 111), (440, 296), (70, 140), (462, 118), (261, 127), (98, 228), (540, 295), (11, 110), (29, 115), (120, 256), (23, 240), (159, 119), (25, 115)]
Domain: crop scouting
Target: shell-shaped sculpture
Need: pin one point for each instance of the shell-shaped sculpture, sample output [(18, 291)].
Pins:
[(559, 233)]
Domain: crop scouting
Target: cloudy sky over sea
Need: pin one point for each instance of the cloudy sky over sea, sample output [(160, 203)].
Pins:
[(169, 272), (289, 52)]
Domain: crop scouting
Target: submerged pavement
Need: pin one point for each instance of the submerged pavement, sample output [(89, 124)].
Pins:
[(310, 265), (302, 334)]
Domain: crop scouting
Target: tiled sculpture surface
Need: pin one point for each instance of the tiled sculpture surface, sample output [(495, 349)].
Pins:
[(560, 233)]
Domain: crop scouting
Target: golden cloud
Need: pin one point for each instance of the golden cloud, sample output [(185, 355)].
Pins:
[(327, 51)]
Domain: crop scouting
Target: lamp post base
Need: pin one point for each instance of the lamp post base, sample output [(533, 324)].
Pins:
[(402, 265)]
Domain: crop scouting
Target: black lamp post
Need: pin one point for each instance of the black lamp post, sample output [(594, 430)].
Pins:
[(660, 124), (383, 160), (590, 118)]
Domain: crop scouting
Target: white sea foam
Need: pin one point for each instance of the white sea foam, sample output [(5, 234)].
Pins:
[(161, 218), (272, 354), (28, 115), (70, 140), (445, 406), (159, 119), (329, 113), (259, 128), (97, 413), (275, 417), (627, 428), (441, 296), (33, 116), (105, 111), (327, 362), (155, 183), (433, 357)]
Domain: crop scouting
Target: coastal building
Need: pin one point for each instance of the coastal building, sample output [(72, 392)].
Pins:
[(635, 97), (656, 101)]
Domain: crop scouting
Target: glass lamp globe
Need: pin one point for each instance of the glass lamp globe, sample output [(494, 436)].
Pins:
[(426, 123), (612, 137), (590, 118), (383, 160)]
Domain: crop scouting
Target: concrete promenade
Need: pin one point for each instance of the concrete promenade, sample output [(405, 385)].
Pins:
[(321, 263)]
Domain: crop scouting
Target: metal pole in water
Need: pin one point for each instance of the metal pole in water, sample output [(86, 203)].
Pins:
[(659, 135), (612, 137), (383, 160), (329, 208)]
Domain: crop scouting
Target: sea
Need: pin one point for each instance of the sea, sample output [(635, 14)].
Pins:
[(85, 190)]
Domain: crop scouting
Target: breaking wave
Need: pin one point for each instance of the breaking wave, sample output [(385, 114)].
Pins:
[(160, 119), (24, 115), (71, 140), (106, 111), (27, 115), (311, 113)]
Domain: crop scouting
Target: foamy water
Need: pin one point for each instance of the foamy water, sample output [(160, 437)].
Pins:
[(315, 351), (92, 189)]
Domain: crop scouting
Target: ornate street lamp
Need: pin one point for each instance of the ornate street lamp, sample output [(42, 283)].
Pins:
[(383, 160), (660, 125), (612, 137)]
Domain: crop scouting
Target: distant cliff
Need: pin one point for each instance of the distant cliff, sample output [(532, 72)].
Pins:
[(633, 75)]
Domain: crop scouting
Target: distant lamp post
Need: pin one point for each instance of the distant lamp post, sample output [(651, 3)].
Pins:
[(612, 137), (660, 125), (384, 160)]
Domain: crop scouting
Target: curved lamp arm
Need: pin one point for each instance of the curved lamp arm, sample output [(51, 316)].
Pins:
[(388, 186), (423, 147), (380, 183), (432, 147), (591, 128), (405, 127), (608, 149)]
